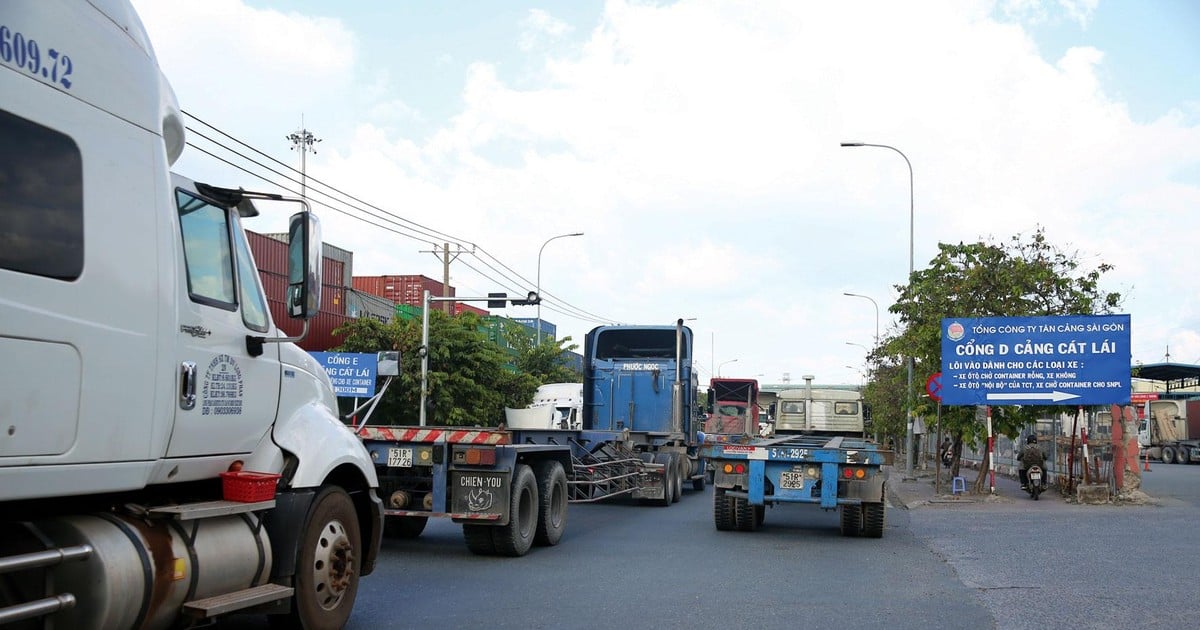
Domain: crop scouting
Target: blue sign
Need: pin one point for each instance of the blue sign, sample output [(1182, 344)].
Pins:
[(352, 373), (1066, 360)]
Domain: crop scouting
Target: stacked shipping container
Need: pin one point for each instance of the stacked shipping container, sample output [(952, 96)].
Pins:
[(460, 308), (408, 289), (548, 330), (270, 254)]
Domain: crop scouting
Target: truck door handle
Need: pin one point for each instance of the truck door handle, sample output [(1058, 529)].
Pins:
[(187, 385)]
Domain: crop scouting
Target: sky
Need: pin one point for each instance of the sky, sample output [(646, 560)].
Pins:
[(696, 145)]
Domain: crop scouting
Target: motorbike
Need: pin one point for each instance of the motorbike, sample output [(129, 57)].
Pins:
[(1035, 481)]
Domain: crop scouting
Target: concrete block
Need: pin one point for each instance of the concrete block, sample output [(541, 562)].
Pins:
[(1092, 494)]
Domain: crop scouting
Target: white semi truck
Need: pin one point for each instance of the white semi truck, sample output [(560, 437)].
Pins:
[(167, 456)]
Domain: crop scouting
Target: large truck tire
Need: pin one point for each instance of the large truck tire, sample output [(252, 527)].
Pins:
[(1168, 455), (1181, 454), (873, 516), (327, 566), (405, 527), (723, 517), (515, 538), (852, 520), (552, 503), (701, 475), (668, 464), (479, 539), (678, 464), (745, 514)]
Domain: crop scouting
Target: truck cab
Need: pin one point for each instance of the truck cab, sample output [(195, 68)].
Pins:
[(733, 406), (141, 359)]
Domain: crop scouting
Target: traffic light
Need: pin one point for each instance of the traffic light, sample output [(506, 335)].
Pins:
[(497, 300), (530, 300)]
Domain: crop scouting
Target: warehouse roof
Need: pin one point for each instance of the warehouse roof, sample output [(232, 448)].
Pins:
[(1176, 375)]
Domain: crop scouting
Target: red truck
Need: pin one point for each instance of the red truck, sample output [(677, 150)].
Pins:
[(732, 406)]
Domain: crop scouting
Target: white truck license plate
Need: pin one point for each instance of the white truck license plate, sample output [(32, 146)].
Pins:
[(791, 479), (400, 457)]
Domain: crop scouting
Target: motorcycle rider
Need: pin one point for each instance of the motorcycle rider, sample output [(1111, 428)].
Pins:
[(947, 453), (1031, 455)]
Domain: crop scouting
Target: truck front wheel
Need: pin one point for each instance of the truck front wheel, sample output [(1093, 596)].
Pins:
[(678, 463), (669, 478), (327, 568)]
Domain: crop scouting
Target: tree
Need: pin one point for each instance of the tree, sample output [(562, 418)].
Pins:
[(1024, 277), (471, 379), (881, 393), (543, 361)]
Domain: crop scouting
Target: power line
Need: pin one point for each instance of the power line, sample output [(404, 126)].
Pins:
[(415, 227), (402, 227)]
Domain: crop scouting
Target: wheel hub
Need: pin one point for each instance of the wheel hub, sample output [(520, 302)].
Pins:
[(333, 565)]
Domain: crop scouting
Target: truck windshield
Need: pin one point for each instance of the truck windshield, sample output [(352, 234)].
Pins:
[(637, 344)]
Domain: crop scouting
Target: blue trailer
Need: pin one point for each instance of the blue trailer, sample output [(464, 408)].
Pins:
[(752, 473)]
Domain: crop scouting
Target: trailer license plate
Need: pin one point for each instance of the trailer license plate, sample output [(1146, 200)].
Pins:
[(400, 457), (791, 479)]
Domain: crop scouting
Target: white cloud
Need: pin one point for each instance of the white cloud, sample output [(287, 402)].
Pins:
[(1043, 11), (696, 144), (539, 26)]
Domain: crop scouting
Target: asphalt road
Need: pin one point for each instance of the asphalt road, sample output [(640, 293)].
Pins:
[(636, 566), (1050, 563), (1012, 563)]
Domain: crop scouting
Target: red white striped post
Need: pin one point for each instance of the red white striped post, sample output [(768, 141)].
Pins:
[(991, 453)]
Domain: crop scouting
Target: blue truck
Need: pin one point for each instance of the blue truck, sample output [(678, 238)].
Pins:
[(832, 471), (639, 379), (509, 487)]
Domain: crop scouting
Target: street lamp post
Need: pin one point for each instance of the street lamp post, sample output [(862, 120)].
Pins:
[(723, 365), (876, 305), (908, 438), (539, 281), (861, 376)]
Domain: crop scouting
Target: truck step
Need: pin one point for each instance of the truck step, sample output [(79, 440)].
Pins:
[(209, 509), (238, 600), (36, 608), (47, 558)]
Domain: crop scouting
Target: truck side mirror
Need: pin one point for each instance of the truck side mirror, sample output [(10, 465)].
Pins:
[(388, 362), (304, 266)]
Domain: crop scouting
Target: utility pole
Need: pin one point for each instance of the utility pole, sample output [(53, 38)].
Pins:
[(303, 140), (445, 255)]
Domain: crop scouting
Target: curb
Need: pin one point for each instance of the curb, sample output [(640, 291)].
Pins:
[(897, 501)]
